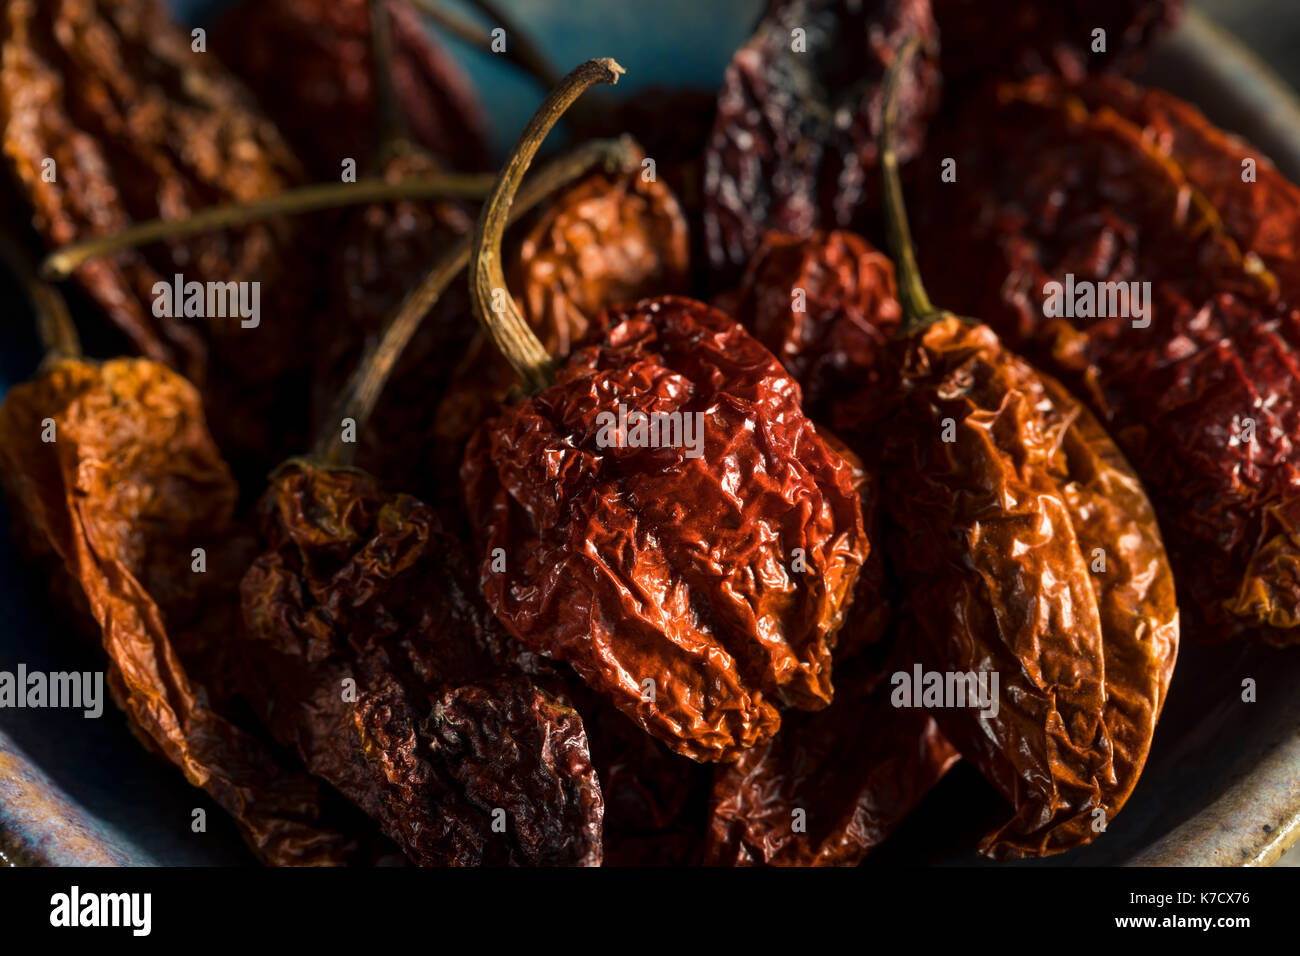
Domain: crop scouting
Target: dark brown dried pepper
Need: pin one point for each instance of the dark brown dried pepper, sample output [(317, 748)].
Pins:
[(855, 770), (1260, 214), (366, 651), (131, 483), (793, 146), (1018, 37), (310, 64), (666, 579), (1202, 400), (654, 798), (825, 304), (1028, 550)]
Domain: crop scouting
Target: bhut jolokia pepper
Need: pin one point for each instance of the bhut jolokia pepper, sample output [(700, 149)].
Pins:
[(793, 146), (367, 648), (1257, 206), (826, 305), (831, 785), (696, 581), (115, 483), (606, 240), (110, 117), (311, 65), (1193, 369), (1060, 38), (1028, 550)]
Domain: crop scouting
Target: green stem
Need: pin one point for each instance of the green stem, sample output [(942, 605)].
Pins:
[(918, 310), (64, 261), (359, 397), (493, 305)]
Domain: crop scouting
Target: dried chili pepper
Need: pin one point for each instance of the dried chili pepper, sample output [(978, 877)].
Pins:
[(826, 305), (593, 551), (1057, 37), (365, 651), (654, 798), (367, 648), (673, 126), (793, 146), (1258, 211), (1202, 398), (310, 63), (122, 89), (1028, 549), (606, 240), (130, 124), (832, 785), (116, 481)]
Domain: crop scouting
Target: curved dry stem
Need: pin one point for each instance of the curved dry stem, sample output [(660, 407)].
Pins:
[(64, 261), (493, 305), (361, 394), (918, 310), (54, 325), (390, 123), (520, 51)]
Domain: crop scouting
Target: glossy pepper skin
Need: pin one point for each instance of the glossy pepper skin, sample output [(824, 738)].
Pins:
[(131, 483), (826, 305), (855, 770), (1203, 401), (309, 63), (366, 652), (647, 564), (1028, 549), (793, 146)]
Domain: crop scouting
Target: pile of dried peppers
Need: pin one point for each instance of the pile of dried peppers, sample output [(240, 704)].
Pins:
[(679, 525)]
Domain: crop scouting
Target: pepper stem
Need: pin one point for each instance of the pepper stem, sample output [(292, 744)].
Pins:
[(918, 310), (64, 261), (519, 49), (390, 123), (493, 305), (361, 394), (54, 325)]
